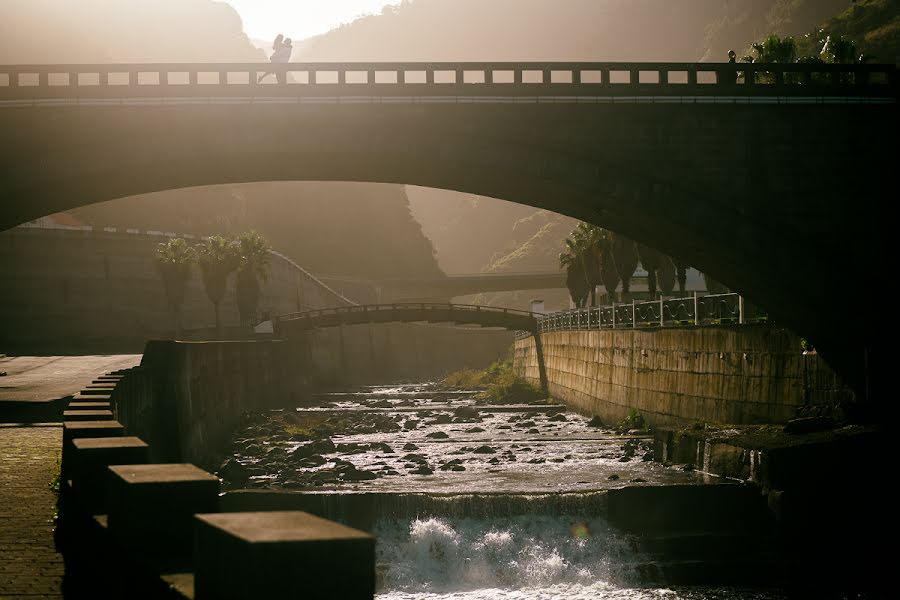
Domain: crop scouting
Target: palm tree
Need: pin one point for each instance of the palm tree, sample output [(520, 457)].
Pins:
[(681, 268), (217, 258), (572, 261), (625, 255), (174, 259), (650, 260), (774, 49), (253, 262), (589, 239), (665, 275)]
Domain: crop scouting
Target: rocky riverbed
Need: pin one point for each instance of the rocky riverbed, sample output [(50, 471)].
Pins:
[(422, 438)]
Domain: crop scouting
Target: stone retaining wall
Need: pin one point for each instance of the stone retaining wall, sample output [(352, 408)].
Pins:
[(740, 374)]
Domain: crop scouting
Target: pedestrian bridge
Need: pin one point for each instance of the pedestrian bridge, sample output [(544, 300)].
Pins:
[(757, 174), (458, 314)]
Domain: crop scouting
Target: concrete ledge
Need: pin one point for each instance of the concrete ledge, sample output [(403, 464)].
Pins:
[(281, 555), (151, 508), (87, 415)]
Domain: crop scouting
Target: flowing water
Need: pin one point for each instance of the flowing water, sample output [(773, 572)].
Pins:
[(469, 501)]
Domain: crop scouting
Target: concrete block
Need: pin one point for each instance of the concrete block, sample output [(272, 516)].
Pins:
[(87, 415), (281, 555), (101, 391), (151, 507), (88, 406), (88, 462), (92, 397), (79, 429)]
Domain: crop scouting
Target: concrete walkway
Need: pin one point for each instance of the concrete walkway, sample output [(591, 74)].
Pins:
[(30, 567)]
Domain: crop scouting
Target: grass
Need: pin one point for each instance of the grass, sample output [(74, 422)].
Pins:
[(55, 476), (498, 384)]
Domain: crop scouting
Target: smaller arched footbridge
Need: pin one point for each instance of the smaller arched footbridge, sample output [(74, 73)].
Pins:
[(421, 312)]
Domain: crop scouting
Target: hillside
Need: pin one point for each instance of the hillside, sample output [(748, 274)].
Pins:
[(331, 228)]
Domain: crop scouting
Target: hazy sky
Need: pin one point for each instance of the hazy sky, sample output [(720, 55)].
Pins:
[(298, 19)]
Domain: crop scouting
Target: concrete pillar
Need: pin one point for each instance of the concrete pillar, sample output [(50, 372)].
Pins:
[(281, 555), (151, 508)]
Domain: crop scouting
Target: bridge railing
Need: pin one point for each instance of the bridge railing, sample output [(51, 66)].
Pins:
[(713, 309), (210, 80), (423, 307)]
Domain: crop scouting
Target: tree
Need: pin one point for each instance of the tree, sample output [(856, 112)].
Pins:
[(774, 49), (625, 256), (714, 287), (174, 259), (681, 268), (666, 275), (253, 262), (217, 258), (650, 260), (572, 261)]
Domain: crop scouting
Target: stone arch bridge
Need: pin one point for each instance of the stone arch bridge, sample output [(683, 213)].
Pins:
[(771, 178)]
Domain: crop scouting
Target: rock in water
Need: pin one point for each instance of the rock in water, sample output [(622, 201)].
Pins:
[(466, 412), (438, 435), (422, 470), (595, 422), (325, 446), (233, 471)]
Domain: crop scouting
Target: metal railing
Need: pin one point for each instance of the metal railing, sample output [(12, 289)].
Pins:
[(696, 310), (566, 79)]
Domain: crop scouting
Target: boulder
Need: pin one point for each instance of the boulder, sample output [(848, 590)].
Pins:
[(325, 446), (466, 412), (234, 472), (809, 425), (558, 418), (410, 447), (422, 470), (438, 435), (595, 422), (484, 450)]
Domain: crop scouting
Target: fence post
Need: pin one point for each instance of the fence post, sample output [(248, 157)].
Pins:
[(633, 315), (614, 315), (740, 310), (662, 314), (696, 310)]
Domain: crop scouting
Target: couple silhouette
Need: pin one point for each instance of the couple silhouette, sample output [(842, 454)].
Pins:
[(282, 48)]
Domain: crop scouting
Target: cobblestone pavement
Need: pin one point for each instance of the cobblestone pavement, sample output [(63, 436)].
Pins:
[(30, 567)]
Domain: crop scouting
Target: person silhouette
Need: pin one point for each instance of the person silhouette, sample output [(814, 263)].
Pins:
[(282, 48)]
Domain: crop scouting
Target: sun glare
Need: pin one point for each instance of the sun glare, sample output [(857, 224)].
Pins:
[(264, 19)]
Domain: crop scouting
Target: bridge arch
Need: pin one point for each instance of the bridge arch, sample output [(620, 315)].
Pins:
[(744, 191)]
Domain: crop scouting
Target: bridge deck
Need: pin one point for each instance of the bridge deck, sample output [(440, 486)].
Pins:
[(460, 314), (446, 80)]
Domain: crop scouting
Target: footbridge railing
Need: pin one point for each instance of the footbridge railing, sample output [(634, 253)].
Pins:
[(714, 309), (444, 82), (415, 312)]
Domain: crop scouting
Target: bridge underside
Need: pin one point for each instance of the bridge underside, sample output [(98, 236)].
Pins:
[(779, 202)]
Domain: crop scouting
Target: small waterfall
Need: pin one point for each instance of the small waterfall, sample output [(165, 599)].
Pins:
[(459, 555)]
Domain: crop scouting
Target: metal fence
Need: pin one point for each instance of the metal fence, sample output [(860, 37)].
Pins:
[(715, 309)]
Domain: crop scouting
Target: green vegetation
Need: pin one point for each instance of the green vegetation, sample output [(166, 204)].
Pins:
[(55, 475), (253, 263), (498, 384), (218, 258), (174, 259), (595, 256), (634, 420)]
